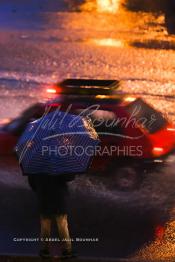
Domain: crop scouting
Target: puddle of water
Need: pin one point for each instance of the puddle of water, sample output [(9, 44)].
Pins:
[(110, 42)]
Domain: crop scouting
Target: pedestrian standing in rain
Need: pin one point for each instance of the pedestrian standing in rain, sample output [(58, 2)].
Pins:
[(48, 174), (52, 194)]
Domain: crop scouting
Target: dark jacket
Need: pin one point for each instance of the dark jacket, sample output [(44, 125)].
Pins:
[(52, 193)]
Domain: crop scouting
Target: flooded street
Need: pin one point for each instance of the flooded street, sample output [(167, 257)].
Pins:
[(43, 43)]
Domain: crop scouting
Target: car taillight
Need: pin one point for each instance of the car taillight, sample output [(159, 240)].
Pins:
[(51, 90), (171, 129), (157, 151), (129, 99), (159, 232)]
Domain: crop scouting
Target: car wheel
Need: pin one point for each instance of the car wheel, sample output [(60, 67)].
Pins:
[(170, 24)]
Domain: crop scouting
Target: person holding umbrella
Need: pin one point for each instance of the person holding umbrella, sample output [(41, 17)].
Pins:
[(51, 155), (52, 194)]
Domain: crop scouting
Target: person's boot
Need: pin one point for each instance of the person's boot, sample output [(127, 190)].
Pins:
[(68, 254), (45, 253)]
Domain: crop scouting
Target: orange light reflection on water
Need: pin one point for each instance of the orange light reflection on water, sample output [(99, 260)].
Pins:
[(102, 6), (111, 42)]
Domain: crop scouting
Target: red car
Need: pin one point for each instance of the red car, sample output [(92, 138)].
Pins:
[(135, 138)]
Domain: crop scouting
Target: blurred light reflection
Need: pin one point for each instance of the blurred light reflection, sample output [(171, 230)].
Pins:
[(102, 6), (108, 42), (110, 6)]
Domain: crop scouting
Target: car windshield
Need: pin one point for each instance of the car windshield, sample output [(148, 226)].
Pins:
[(13, 125), (146, 116), (18, 125), (103, 121)]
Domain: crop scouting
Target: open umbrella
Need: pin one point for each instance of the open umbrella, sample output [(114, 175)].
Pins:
[(58, 143)]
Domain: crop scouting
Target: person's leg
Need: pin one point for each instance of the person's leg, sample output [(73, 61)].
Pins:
[(45, 231), (63, 231)]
